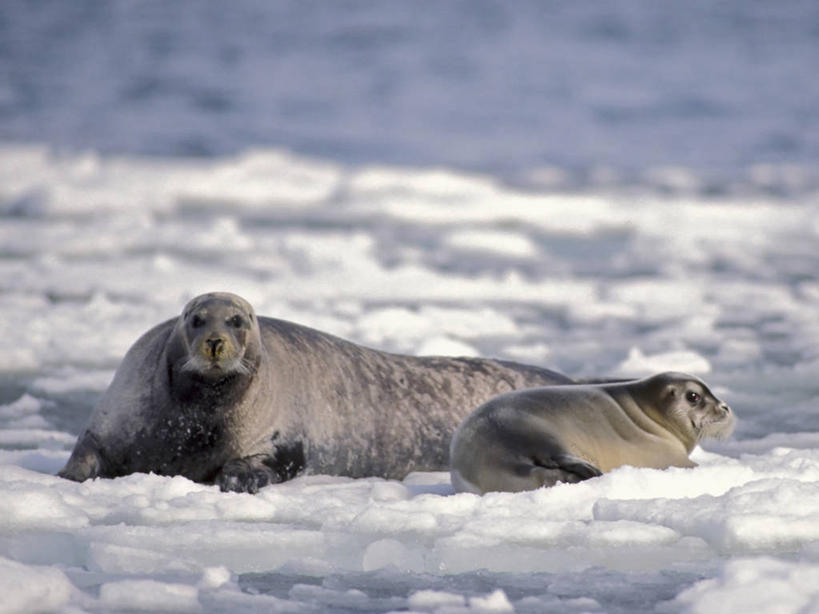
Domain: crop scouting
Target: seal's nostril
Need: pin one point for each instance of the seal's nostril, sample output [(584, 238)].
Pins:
[(215, 346)]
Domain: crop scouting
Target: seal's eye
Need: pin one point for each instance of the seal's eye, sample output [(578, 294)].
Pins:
[(692, 397), (197, 321), (236, 322)]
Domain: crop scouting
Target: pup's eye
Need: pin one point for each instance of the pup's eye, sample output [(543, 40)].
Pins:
[(197, 321), (236, 322), (692, 397)]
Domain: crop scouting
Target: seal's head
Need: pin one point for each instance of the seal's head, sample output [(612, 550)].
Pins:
[(686, 403), (220, 336)]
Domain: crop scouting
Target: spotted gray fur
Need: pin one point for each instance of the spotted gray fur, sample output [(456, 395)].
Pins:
[(308, 402)]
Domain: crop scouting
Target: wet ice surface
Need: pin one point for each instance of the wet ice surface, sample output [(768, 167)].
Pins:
[(96, 249), (551, 92)]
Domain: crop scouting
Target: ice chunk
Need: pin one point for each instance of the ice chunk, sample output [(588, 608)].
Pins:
[(755, 585), (432, 600), (638, 364), (497, 601), (445, 346), (29, 588), (508, 244), (34, 504), (149, 596), (391, 553)]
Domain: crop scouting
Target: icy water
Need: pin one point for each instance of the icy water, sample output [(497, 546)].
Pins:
[(614, 90), (610, 189)]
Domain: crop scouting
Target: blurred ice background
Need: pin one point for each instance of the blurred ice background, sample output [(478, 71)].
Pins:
[(569, 92), (600, 188)]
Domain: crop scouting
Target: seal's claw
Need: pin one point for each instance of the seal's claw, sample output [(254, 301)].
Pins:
[(245, 475)]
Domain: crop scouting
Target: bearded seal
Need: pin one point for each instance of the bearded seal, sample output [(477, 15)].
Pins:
[(221, 395), (525, 439)]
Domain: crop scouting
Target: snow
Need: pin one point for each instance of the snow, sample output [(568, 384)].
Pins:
[(765, 585), (598, 286), (153, 542)]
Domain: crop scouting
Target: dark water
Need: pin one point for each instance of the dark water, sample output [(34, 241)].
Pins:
[(505, 87)]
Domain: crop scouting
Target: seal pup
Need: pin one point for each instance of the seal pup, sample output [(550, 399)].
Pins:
[(221, 395), (530, 438)]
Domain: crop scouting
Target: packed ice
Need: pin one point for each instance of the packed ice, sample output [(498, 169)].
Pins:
[(721, 289)]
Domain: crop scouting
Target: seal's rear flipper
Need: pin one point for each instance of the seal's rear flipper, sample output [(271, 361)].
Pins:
[(562, 468), (85, 462)]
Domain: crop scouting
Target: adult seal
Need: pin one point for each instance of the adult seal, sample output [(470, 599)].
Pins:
[(530, 438), (221, 395)]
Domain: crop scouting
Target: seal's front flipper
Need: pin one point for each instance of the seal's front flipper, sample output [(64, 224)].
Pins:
[(577, 466), (247, 474), (562, 468), (251, 473), (85, 462)]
